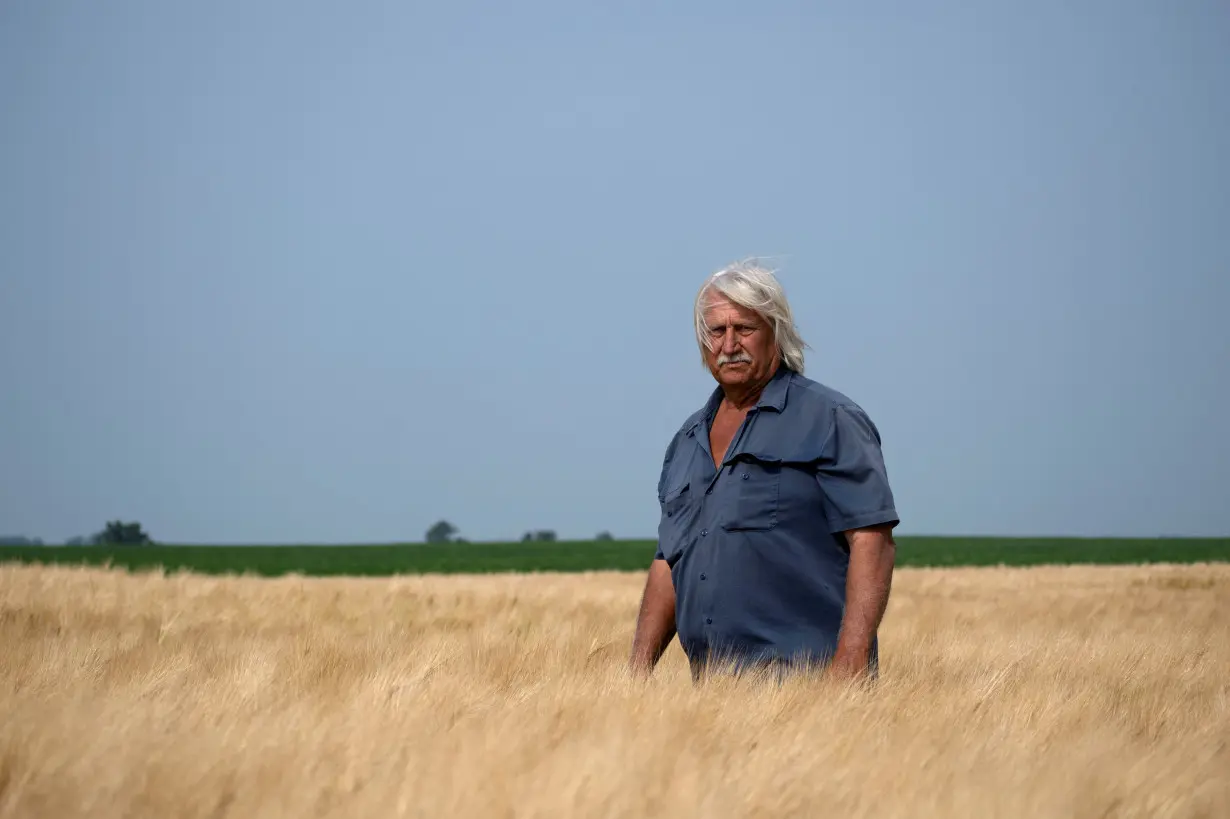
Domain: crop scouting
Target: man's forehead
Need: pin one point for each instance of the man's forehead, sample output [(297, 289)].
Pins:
[(721, 310)]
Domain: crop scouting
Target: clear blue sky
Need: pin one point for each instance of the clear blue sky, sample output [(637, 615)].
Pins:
[(282, 271)]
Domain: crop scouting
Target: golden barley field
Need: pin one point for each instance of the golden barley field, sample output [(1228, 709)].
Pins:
[(1065, 692)]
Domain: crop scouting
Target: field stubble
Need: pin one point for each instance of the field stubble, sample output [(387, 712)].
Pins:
[(1073, 692)]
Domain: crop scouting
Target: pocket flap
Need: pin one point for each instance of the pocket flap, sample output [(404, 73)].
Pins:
[(756, 457), (671, 494)]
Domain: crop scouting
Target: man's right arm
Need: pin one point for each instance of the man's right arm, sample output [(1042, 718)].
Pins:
[(655, 624)]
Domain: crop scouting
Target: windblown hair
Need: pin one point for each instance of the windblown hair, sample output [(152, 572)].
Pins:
[(756, 288)]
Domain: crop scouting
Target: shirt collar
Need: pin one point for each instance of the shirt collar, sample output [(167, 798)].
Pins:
[(773, 397)]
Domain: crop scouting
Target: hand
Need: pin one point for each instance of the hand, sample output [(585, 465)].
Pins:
[(848, 665), (640, 667)]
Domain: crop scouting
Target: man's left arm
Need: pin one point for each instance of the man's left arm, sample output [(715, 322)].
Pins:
[(869, 579), (859, 504)]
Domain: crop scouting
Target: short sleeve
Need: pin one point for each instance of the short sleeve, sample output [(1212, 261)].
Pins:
[(852, 474), (666, 462), (658, 554)]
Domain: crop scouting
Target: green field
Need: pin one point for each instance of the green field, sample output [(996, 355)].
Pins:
[(417, 558)]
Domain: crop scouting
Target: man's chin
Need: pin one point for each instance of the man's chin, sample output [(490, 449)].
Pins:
[(734, 374)]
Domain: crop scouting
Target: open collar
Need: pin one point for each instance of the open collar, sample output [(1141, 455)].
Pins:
[(773, 397)]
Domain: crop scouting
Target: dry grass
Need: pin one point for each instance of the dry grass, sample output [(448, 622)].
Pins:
[(1074, 692)]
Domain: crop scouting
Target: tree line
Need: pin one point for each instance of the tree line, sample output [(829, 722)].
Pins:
[(121, 533), (444, 532), (114, 533)]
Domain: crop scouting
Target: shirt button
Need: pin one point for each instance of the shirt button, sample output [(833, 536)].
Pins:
[(745, 476), (702, 577), (709, 620), (704, 532)]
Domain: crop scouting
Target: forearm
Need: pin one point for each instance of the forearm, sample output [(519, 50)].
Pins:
[(655, 623), (868, 582)]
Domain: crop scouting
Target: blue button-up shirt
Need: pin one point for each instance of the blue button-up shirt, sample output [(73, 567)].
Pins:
[(755, 547)]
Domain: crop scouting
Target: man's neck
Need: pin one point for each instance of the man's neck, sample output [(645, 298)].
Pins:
[(742, 397)]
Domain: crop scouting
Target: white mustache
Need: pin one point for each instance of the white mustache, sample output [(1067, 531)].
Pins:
[(737, 358)]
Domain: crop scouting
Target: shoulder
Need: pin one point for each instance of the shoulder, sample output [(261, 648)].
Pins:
[(812, 395), (690, 423), (677, 457), (823, 409)]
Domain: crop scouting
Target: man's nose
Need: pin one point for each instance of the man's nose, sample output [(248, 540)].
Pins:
[(730, 341)]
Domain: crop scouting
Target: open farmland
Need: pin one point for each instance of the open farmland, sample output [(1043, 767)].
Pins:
[(627, 555), (1058, 691)]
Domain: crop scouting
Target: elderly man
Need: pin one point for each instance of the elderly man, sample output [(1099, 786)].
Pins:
[(775, 546)]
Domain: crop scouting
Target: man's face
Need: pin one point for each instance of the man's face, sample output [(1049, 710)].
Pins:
[(741, 349)]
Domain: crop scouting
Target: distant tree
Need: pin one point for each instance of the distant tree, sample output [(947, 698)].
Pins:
[(603, 536), (19, 540), (539, 536), (119, 533), (441, 532), (75, 541)]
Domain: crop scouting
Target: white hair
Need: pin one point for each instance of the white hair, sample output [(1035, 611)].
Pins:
[(749, 285)]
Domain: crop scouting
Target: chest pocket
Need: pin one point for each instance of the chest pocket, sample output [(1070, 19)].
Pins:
[(754, 485), (680, 508)]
